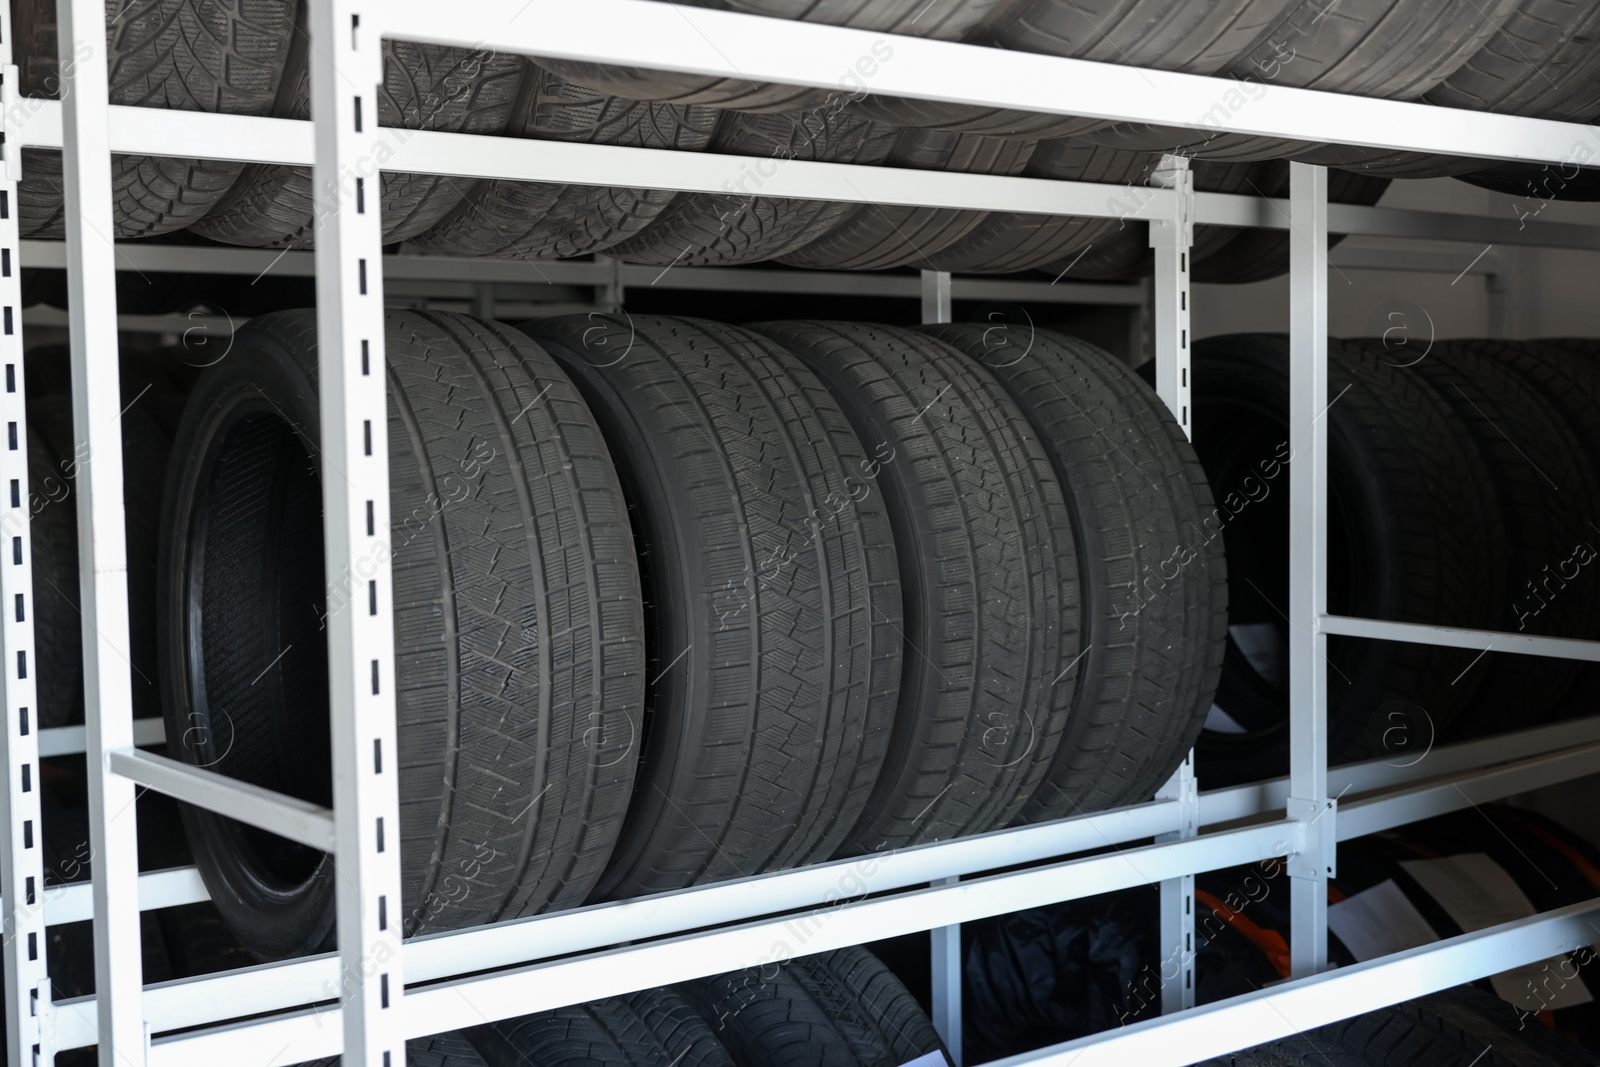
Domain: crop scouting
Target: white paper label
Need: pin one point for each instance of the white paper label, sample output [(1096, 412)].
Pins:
[(1378, 921), (1477, 892)]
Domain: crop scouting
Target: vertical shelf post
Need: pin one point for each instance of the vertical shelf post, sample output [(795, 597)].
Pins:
[(346, 69), (102, 551), (27, 988), (944, 941), (1171, 239), (1308, 567)]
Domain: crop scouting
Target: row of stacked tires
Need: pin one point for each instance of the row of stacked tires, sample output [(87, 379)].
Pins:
[(253, 59), (677, 601), (1464, 479)]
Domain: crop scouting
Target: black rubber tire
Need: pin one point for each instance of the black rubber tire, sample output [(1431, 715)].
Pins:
[(1544, 478), (1415, 535), (1134, 487), (835, 1009), (540, 220), (1536, 183), (989, 572), (1566, 374), (876, 237), (188, 55), (1006, 242), (728, 228), (1542, 63), (1394, 49), (518, 625), (425, 87), (1461, 1027), (946, 21), (650, 1028), (774, 599), (1167, 34), (153, 388)]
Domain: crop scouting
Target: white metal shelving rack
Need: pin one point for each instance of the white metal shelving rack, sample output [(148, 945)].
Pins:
[(364, 1001)]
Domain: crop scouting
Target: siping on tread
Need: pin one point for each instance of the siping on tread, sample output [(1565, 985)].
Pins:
[(989, 573), (1154, 601), (774, 597)]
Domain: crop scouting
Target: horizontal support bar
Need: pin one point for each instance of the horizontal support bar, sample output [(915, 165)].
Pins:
[(71, 740), (752, 48), (293, 983), (1453, 637), (1295, 1007), (408, 267), (157, 889), (1368, 815), (1421, 761), (277, 813), (465, 1002)]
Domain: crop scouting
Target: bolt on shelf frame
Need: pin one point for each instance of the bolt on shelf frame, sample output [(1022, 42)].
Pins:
[(355, 1003)]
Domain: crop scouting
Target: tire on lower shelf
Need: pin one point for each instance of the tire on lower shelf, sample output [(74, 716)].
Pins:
[(650, 1028), (541, 220), (517, 612), (774, 599), (1154, 604), (835, 1009), (223, 56), (425, 87), (989, 573), (1412, 527)]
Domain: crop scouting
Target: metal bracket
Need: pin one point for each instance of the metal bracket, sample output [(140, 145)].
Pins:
[(608, 295), (1171, 238), (1177, 896), (10, 96), (1317, 856)]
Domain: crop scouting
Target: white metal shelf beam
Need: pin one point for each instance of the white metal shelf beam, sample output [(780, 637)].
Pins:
[(277, 813), (725, 44), (280, 986), (463, 1002), (1456, 637)]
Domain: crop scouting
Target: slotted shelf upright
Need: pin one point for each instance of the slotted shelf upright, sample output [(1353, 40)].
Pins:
[(364, 1001)]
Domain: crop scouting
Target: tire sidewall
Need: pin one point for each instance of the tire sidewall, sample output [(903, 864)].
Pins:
[(272, 921)]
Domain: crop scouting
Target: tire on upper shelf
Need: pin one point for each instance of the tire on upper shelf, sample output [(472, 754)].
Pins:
[(1154, 605), (773, 597), (1005, 242), (989, 574), (840, 1009), (1168, 34), (1415, 535), (744, 227), (425, 87), (542, 220), (650, 1028), (947, 21), (223, 56), (877, 236), (517, 612)]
